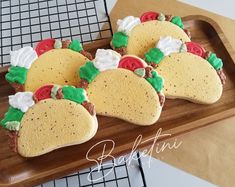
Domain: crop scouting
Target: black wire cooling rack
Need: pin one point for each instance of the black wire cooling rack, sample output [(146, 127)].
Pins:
[(26, 22), (108, 176)]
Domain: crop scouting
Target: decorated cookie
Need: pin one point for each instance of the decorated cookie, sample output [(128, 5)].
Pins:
[(135, 36), (51, 62), (51, 118), (189, 71), (124, 88)]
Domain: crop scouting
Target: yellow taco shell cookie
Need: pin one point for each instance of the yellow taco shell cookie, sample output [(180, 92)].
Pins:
[(51, 124), (121, 93), (57, 66), (144, 36), (190, 77)]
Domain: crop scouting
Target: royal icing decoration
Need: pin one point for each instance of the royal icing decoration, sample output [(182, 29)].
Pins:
[(165, 46), (22, 100), (12, 116), (58, 44), (43, 93), (109, 58), (13, 125), (215, 61), (44, 46), (77, 95), (131, 63), (127, 24), (23, 57), (169, 45), (149, 16), (119, 39), (196, 49), (106, 59)]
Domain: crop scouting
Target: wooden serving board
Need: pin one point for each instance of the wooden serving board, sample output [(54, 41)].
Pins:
[(178, 117)]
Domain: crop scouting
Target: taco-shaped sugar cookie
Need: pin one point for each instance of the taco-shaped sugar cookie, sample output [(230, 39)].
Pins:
[(51, 118), (51, 62), (124, 88), (189, 71), (135, 36)]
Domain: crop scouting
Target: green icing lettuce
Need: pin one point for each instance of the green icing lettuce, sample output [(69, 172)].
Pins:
[(16, 74), (88, 72), (177, 21), (75, 45), (71, 93), (11, 115), (215, 61), (156, 81), (120, 39), (154, 55)]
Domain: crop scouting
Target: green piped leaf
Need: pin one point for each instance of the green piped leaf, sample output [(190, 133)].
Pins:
[(154, 55), (156, 81), (12, 114), (177, 21), (88, 72), (215, 61), (71, 93), (120, 39), (16, 74), (75, 45)]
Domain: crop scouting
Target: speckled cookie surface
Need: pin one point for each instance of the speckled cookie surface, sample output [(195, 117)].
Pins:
[(145, 35), (190, 77), (51, 124), (57, 66), (122, 94)]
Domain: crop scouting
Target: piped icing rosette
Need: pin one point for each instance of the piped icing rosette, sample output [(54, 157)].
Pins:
[(23, 60), (125, 27), (24, 106), (168, 45), (112, 81)]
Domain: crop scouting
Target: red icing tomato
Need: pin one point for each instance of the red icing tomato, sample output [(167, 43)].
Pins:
[(43, 93), (196, 49), (44, 46), (148, 16), (130, 63)]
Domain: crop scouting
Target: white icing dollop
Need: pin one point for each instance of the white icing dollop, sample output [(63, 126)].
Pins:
[(23, 57), (127, 24), (22, 100), (106, 59), (169, 45)]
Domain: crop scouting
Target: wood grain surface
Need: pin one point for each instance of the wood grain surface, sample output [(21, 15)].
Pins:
[(178, 117)]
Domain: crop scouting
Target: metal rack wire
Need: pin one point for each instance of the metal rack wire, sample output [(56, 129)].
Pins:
[(112, 175), (26, 22)]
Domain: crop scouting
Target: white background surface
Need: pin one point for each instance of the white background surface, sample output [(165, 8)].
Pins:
[(222, 7)]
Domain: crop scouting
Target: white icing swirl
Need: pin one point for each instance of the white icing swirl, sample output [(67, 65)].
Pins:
[(106, 59), (22, 100), (127, 24), (169, 45), (23, 57)]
